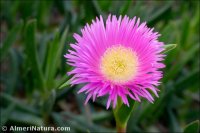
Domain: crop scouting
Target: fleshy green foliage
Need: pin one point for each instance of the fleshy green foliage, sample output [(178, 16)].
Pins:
[(169, 47), (34, 85), (192, 127), (31, 53)]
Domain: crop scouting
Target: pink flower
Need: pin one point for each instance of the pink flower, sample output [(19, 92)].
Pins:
[(121, 58)]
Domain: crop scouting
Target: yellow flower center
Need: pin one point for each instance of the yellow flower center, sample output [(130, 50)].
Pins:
[(119, 64)]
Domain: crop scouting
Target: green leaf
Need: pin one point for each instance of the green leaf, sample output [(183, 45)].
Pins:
[(174, 124), (185, 31), (31, 53), (125, 7), (77, 122), (50, 64), (54, 57), (97, 7), (5, 114), (122, 113), (169, 47), (11, 80), (193, 127), (177, 67), (9, 41), (188, 80), (104, 5), (98, 117), (19, 104), (170, 89), (48, 103), (65, 84), (61, 122), (158, 14), (26, 118), (42, 12)]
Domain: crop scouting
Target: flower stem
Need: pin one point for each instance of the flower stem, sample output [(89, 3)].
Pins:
[(122, 114), (121, 129)]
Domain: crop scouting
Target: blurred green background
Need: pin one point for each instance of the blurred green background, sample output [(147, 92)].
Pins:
[(36, 34)]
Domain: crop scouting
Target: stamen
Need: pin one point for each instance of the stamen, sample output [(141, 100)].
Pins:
[(119, 64)]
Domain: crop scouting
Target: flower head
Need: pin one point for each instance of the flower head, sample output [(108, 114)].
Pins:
[(121, 58)]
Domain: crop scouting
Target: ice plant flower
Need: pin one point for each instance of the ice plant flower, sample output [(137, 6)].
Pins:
[(121, 58)]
